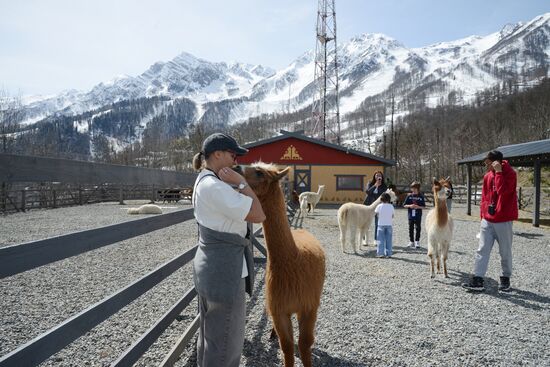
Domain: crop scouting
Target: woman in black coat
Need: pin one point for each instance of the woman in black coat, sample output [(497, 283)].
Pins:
[(375, 188)]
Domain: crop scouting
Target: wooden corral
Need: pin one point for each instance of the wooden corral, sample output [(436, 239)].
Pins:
[(29, 182)]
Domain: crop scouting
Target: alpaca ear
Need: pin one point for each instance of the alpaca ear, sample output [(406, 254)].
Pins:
[(282, 173), (435, 181)]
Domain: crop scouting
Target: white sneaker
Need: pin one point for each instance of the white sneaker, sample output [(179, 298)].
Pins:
[(411, 244), (416, 244)]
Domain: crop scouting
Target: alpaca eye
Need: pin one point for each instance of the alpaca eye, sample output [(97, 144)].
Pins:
[(259, 174)]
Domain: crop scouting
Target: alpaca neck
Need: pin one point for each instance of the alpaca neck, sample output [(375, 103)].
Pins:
[(441, 210), (375, 203), (278, 237)]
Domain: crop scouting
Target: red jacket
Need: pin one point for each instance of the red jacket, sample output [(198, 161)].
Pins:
[(501, 188)]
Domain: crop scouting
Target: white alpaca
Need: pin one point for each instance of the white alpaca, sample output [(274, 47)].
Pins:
[(146, 209), (439, 226), (357, 219), (310, 198)]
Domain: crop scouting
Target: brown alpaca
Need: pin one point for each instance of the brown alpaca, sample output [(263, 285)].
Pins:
[(439, 226), (295, 266)]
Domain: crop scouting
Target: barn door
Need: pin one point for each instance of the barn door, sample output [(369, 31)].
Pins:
[(302, 180)]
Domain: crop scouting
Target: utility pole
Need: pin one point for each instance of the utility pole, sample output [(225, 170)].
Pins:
[(326, 110)]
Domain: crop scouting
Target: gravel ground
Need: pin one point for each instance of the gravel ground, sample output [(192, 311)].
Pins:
[(374, 312)]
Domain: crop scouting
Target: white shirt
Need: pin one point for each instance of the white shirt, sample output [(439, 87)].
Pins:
[(219, 207), (385, 214)]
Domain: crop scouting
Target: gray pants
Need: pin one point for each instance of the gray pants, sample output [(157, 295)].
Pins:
[(221, 331), (489, 232)]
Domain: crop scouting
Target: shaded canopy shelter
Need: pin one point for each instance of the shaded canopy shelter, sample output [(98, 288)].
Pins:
[(531, 154)]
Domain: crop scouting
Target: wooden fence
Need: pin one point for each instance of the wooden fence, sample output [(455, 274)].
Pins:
[(18, 258), (22, 257), (36, 182), (22, 197)]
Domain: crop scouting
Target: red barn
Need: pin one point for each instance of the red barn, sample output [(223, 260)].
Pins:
[(313, 162)]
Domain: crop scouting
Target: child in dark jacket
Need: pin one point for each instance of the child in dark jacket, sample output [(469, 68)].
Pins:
[(415, 202)]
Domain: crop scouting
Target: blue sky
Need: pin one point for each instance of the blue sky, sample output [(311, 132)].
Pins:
[(51, 45)]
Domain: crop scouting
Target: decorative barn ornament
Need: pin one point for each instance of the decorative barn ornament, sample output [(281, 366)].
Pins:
[(291, 154)]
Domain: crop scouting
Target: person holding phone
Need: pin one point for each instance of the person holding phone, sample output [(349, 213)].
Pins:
[(498, 210), (375, 188)]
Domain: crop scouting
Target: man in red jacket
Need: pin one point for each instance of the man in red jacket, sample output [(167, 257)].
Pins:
[(498, 209)]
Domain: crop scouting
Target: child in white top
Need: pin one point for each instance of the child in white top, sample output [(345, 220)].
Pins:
[(385, 212)]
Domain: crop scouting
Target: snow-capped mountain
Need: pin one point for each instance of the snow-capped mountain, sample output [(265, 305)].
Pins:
[(184, 76), (370, 65)]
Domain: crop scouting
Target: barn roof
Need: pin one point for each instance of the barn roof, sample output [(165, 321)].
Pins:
[(288, 134), (524, 154)]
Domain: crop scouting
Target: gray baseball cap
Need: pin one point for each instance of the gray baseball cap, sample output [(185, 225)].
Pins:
[(219, 141)]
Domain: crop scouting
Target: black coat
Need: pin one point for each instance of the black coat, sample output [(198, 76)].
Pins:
[(372, 196)]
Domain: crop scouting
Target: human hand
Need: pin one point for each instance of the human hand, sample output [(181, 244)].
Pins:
[(497, 166), (226, 174)]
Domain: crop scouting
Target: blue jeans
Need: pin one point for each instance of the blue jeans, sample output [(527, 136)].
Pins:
[(385, 234), (376, 227)]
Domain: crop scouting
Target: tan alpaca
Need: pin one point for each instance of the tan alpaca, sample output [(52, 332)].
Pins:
[(145, 209), (357, 219), (295, 266), (439, 226), (309, 198)]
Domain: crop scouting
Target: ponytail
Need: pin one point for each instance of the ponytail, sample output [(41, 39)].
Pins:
[(197, 161)]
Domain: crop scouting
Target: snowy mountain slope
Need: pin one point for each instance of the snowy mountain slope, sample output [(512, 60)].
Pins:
[(370, 66)]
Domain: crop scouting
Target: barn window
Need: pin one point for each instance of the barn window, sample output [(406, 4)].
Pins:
[(349, 182)]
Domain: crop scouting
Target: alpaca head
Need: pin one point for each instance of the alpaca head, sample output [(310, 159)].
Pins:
[(264, 178), (442, 188), (392, 194)]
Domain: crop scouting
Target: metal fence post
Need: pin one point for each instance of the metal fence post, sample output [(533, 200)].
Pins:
[(23, 200), (3, 197), (120, 195), (54, 199)]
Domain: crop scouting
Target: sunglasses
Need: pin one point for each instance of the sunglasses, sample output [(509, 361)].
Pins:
[(233, 154)]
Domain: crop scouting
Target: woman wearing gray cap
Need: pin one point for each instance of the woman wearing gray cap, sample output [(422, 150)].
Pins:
[(223, 265)]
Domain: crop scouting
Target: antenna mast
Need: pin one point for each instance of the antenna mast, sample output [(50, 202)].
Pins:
[(326, 110)]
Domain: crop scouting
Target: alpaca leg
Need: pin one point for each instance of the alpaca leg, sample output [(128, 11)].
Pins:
[(353, 237), (362, 236), (431, 256), (432, 265), (283, 327), (306, 322), (438, 264), (445, 253), (343, 231)]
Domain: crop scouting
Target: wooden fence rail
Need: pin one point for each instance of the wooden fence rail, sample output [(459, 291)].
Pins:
[(23, 198)]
